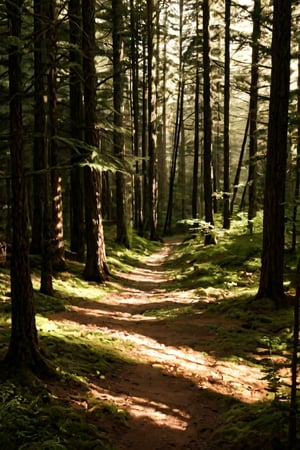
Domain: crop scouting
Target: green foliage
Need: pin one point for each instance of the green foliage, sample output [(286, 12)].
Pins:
[(249, 427), (222, 281), (35, 420), (123, 259)]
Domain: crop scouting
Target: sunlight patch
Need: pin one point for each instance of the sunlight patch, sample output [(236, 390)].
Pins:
[(159, 413)]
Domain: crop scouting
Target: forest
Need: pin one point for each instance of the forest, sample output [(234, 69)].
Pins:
[(149, 192)]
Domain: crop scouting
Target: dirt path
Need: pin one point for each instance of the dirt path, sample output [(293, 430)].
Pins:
[(177, 390)]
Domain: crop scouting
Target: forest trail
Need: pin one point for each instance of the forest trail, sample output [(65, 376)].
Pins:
[(177, 388)]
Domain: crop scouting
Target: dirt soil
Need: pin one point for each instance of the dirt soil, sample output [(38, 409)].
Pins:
[(177, 389)]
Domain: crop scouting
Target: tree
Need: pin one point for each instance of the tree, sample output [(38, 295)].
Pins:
[(55, 177), (76, 129), (39, 142), (23, 352), (118, 134), (271, 279), (253, 112), (195, 189), (134, 62), (95, 267), (207, 123), (42, 226), (178, 126), (152, 11), (226, 187)]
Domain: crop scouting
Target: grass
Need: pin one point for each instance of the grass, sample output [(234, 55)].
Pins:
[(224, 278)]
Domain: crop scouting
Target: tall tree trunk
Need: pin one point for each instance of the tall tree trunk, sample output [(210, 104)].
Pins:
[(118, 134), (39, 142), (23, 352), (177, 130), (56, 179), (138, 205), (253, 113), (207, 121), (152, 11), (42, 227), (239, 166), (182, 174), (226, 184), (271, 279), (293, 417), (297, 183), (195, 189), (145, 141), (95, 267), (77, 243), (162, 130), (176, 145)]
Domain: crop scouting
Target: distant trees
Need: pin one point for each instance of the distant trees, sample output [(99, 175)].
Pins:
[(153, 98)]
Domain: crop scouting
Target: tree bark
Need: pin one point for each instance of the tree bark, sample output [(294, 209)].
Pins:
[(118, 134), (152, 11), (56, 179), (23, 352), (95, 267), (207, 119), (138, 204), (195, 188), (253, 113), (40, 132), (271, 279), (77, 243), (226, 183)]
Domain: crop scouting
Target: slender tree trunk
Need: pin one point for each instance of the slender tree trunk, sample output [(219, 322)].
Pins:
[(23, 352), (297, 184), (162, 131), (239, 166), (56, 179), (293, 419), (182, 174), (118, 100), (138, 204), (77, 243), (39, 143), (207, 120), (226, 184), (253, 113), (152, 11), (177, 130), (95, 267), (42, 227), (271, 279), (145, 140), (195, 189), (177, 134)]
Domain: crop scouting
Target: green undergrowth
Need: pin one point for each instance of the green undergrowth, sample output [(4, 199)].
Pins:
[(253, 426), (65, 414), (224, 278), (123, 259), (38, 420), (221, 280)]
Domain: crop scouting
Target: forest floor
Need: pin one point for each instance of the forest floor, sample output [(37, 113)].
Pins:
[(177, 385)]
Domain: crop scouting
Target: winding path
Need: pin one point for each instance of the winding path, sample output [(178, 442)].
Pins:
[(176, 391)]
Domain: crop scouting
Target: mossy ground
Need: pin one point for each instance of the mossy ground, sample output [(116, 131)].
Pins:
[(224, 278)]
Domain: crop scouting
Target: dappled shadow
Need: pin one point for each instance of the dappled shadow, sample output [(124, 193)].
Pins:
[(194, 358), (165, 410)]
